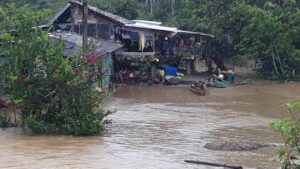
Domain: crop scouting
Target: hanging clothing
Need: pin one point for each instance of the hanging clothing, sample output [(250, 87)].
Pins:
[(142, 41), (126, 35)]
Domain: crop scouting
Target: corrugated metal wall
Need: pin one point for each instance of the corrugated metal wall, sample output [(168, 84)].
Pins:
[(107, 70)]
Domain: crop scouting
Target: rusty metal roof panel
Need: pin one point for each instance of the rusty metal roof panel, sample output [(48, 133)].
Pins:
[(98, 44)]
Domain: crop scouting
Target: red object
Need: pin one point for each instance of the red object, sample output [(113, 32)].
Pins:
[(93, 57), (90, 59), (125, 76), (93, 60)]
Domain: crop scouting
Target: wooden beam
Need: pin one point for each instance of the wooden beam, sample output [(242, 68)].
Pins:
[(85, 25), (154, 38), (73, 18)]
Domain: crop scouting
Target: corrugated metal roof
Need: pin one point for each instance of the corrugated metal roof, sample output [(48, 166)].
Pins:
[(148, 22), (51, 22), (99, 45), (144, 24), (108, 15), (134, 24), (151, 26), (193, 33)]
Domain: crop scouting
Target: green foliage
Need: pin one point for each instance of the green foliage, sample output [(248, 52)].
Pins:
[(184, 54), (271, 36), (125, 8), (264, 31), (4, 121), (57, 93), (290, 130), (33, 3)]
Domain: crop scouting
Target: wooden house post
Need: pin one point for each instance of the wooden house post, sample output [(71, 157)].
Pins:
[(73, 18), (85, 25), (154, 38)]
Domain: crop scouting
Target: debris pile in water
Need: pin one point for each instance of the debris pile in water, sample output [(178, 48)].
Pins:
[(233, 145)]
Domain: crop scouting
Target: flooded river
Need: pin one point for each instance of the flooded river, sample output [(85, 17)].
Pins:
[(158, 127)]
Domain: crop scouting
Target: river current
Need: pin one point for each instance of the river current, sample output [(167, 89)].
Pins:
[(158, 127)]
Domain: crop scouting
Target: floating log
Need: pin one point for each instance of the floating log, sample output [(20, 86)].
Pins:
[(214, 164)]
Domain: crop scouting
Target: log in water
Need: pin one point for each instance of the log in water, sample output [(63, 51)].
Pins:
[(214, 164)]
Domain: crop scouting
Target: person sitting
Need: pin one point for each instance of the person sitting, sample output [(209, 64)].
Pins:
[(227, 76)]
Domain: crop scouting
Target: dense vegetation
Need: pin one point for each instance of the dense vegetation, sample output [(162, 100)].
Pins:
[(58, 94), (4, 121), (289, 129)]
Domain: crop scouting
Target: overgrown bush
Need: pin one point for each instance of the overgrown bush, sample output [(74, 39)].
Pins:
[(290, 131), (58, 95)]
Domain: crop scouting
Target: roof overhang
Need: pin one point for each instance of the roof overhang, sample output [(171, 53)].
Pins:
[(148, 22), (148, 26), (191, 33), (156, 26)]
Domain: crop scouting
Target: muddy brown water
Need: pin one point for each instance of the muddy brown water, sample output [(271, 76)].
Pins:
[(158, 127)]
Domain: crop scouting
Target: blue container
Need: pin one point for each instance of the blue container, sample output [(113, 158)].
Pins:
[(170, 71), (230, 77)]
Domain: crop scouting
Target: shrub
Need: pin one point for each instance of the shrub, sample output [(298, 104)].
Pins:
[(290, 131), (58, 94)]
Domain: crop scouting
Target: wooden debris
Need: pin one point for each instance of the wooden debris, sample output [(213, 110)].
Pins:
[(214, 164)]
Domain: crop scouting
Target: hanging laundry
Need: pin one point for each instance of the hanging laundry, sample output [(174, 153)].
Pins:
[(142, 41), (125, 35)]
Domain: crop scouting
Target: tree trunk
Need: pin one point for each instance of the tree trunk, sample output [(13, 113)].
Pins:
[(173, 7), (151, 6), (274, 61), (279, 59)]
